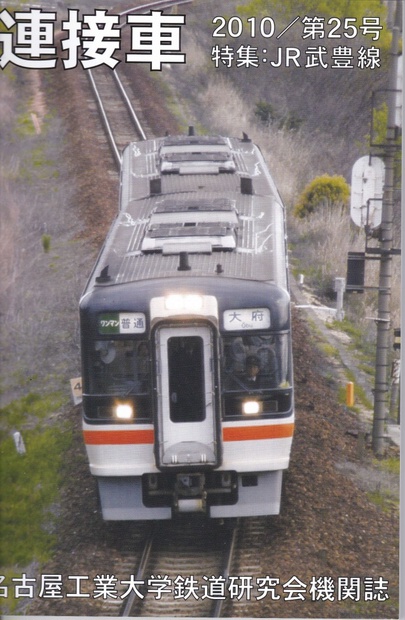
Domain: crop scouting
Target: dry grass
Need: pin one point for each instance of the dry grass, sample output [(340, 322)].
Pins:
[(38, 314)]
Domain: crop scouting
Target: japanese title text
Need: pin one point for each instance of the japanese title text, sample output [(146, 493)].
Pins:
[(339, 32), (27, 39), (105, 587)]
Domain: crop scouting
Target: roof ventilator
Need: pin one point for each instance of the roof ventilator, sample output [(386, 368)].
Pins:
[(196, 226), (196, 155), (183, 264), (155, 186), (246, 185)]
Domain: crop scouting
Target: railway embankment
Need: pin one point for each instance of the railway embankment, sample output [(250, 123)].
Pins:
[(344, 363)]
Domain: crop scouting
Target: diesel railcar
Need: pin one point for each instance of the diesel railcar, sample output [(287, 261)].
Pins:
[(188, 401)]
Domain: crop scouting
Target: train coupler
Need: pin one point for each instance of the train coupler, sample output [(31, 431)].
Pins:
[(189, 493)]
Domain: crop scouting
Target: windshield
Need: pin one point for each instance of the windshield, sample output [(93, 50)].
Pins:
[(255, 362), (120, 367)]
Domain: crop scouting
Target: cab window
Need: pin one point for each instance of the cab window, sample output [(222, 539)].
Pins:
[(259, 361), (120, 367)]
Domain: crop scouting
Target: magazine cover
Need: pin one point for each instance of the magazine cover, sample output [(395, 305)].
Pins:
[(200, 308)]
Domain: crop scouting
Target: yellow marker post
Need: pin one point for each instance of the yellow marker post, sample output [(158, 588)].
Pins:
[(350, 394)]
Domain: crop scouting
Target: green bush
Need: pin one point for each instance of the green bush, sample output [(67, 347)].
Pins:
[(323, 192), (46, 243)]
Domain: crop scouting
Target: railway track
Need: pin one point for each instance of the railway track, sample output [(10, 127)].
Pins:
[(178, 568), (189, 567), (118, 105), (186, 567), (183, 570)]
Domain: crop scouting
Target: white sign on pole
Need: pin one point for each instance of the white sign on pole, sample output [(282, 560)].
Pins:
[(367, 191)]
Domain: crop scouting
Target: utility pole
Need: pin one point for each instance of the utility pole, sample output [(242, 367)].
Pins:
[(386, 243)]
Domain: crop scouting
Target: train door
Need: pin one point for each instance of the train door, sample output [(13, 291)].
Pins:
[(186, 425)]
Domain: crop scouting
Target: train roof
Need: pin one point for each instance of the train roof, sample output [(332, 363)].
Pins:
[(207, 199)]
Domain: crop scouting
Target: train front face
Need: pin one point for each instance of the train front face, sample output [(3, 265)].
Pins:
[(187, 398)]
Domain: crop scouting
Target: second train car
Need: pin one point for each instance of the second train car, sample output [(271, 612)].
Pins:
[(186, 337)]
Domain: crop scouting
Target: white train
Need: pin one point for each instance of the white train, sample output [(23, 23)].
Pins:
[(186, 336)]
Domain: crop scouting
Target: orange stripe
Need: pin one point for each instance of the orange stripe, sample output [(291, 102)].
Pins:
[(114, 438), (232, 433), (246, 433)]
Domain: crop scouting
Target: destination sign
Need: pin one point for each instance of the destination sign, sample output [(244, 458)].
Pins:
[(246, 318)]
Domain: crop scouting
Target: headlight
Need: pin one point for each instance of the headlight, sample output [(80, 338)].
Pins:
[(124, 411), (252, 407), (184, 303)]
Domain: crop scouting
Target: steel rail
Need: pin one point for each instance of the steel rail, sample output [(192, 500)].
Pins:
[(129, 105), (106, 124), (127, 607), (228, 557)]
